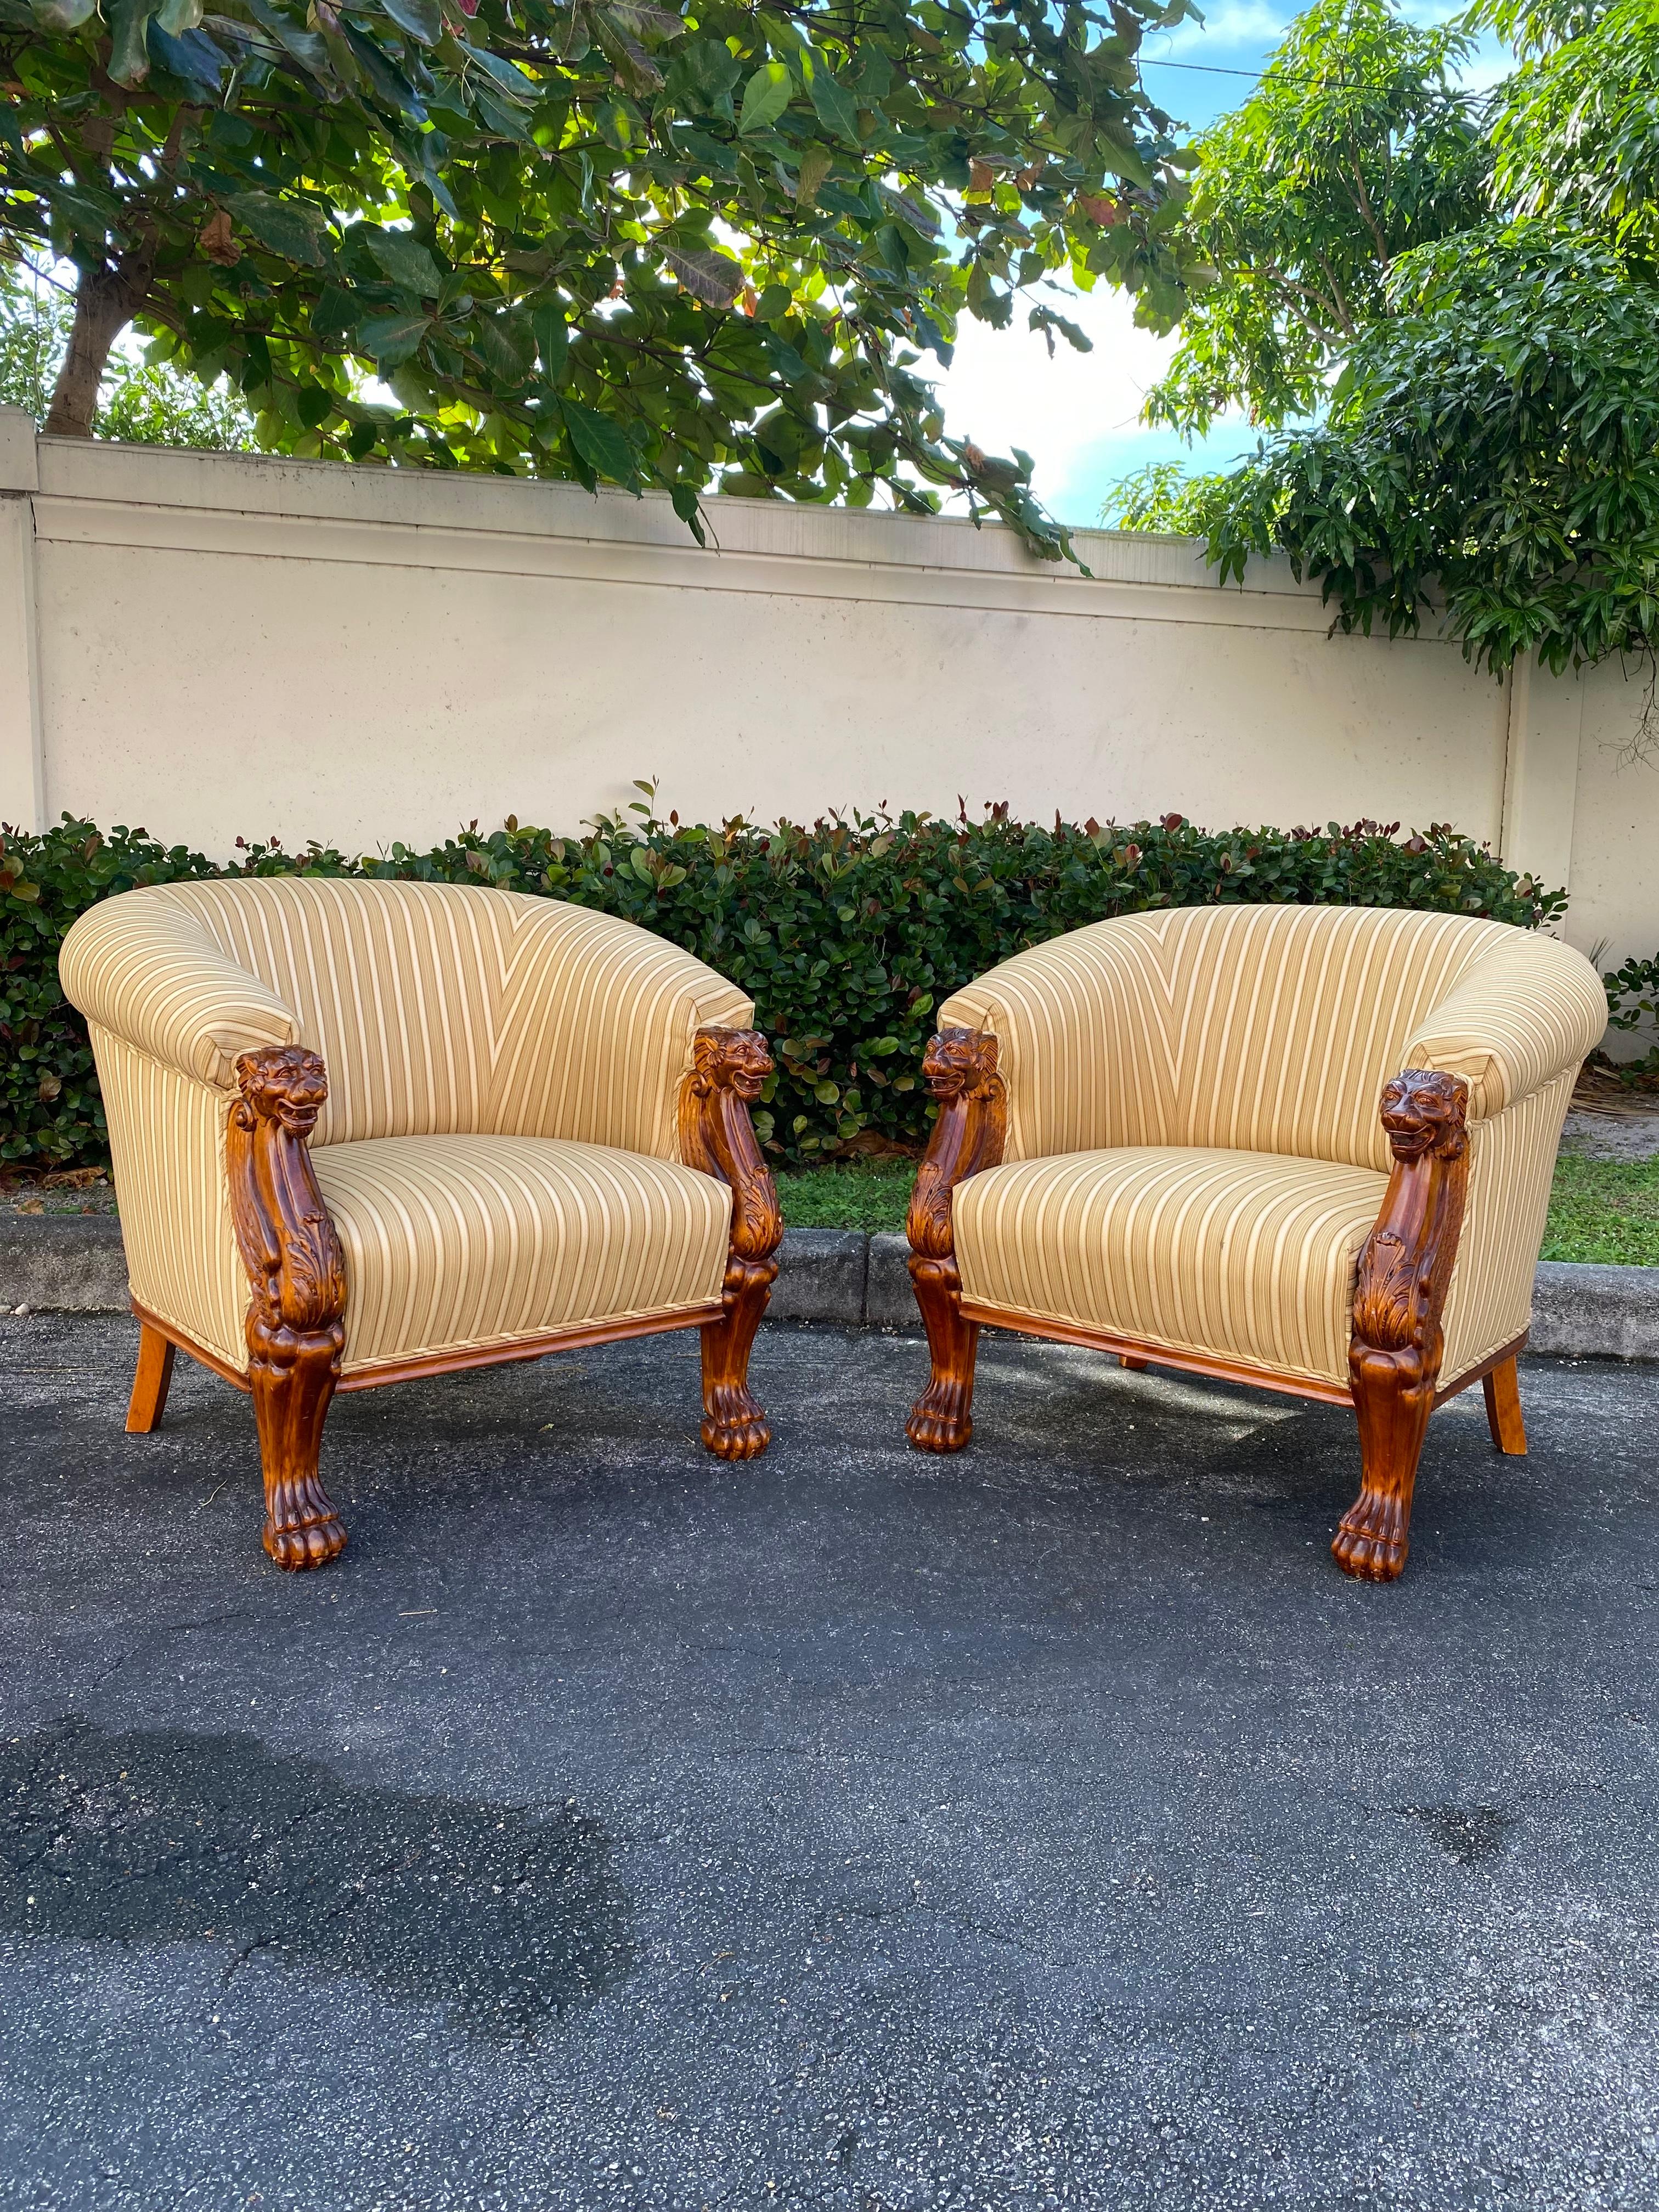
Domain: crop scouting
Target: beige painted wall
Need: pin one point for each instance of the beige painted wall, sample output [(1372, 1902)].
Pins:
[(211, 645)]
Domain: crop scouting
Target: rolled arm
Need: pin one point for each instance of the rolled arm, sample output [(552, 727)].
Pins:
[(1520, 1016), (141, 966)]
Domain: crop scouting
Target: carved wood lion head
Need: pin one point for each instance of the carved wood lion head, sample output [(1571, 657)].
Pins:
[(1424, 1111)]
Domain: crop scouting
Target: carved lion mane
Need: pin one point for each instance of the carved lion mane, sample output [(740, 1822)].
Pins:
[(958, 1061), (737, 1058), (286, 1084), (1423, 1111)]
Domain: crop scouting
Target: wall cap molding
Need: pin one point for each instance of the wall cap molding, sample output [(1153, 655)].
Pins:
[(73, 468)]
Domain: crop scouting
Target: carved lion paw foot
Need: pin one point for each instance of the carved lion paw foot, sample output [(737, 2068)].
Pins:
[(1371, 1543), (309, 1532), (735, 1427), (938, 1422)]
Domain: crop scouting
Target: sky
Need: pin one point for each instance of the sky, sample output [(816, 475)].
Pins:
[(1077, 416)]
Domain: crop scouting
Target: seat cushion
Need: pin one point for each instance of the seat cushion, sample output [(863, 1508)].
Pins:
[(456, 1243), (1244, 1256)]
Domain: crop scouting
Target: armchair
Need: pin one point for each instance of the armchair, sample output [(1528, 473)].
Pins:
[(367, 1131), (1161, 1136)]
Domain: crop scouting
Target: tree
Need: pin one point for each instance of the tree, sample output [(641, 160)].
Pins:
[(1577, 135), (142, 403), (599, 239), (1356, 145), (1489, 451)]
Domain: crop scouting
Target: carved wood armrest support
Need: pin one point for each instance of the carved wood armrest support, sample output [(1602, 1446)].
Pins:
[(961, 1068), (296, 1322), (1400, 1294), (728, 1068)]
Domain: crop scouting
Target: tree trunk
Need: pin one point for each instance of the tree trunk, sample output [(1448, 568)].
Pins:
[(106, 303)]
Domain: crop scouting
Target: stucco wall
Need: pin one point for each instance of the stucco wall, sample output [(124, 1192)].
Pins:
[(214, 646)]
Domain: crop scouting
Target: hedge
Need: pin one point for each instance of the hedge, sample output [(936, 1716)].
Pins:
[(847, 934)]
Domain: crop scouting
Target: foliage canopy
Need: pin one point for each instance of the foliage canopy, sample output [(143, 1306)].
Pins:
[(599, 239), (1488, 449), (1357, 144)]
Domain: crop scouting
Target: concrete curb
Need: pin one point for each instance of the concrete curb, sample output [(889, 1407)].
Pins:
[(72, 1263), (62, 1263)]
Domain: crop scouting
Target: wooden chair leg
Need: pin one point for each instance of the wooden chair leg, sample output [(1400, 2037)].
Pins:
[(1400, 1291), (942, 1419), (1128, 1359), (1393, 1398), (734, 1425), (1502, 1391), (149, 1383), (292, 1386), (729, 1069), (961, 1068)]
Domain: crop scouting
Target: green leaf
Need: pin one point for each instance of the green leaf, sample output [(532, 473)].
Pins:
[(764, 97), (552, 336), (834, 106), (711, 66), (816, 164), (614, 120), (712, 277), (63, 15), (175, 17), (420, 18), (392, 339), (129, 57), (292, 229), (687, 505), (600, 442), (507, 345), (405, 261)]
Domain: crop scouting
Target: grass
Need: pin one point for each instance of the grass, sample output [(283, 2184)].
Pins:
[(1605, 1210), (866, 1194)]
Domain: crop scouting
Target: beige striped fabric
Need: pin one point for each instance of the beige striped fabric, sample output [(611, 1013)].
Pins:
[(167, 1134), (515, 1059), (1270, 1028), (143, 968), (452, 1244), (436, 1006), (1247, 1256), (1184, 1088), (1511, 1166)]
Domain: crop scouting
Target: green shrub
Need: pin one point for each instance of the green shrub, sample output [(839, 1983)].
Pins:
[(1633, 1004), (847, 935)]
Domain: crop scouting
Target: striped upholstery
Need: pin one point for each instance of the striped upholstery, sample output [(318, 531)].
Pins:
[(1184, 1086), (167, 1137), (1271, 1028), (1247, 1255), (436, 1006), (453, 1242), (518, 1060)]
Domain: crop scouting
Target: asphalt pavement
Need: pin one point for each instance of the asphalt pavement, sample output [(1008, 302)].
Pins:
[(610, 1827)]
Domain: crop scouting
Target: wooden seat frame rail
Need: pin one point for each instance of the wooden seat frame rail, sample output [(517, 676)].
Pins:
[(1396, 1344), (296, 1316)]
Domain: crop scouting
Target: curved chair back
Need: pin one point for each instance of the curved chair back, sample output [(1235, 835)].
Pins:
[(1268, 1028), (438, 1008)]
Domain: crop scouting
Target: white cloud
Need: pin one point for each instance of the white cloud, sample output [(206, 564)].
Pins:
[(1003, 391), (1079, 414), (1251, 24)]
